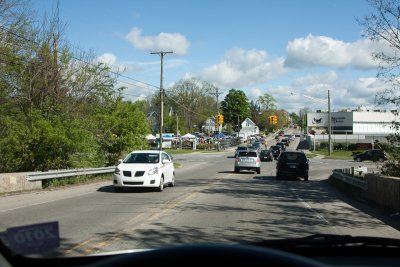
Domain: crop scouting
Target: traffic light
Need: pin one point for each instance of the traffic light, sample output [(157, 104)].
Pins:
[(274, 119), (217, 120), (270, 120), (221, 119)]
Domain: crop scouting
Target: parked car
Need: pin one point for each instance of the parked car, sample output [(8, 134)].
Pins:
[(144, 168), (248, 160), (371, 154), (292, 164), (266, 155), (276, 151)]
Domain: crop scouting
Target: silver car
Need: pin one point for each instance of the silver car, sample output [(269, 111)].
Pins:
[(248, 160)]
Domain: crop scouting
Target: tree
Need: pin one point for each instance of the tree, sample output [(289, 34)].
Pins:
[(255, 112), (235, 107), (191, 99), (295, 117), (58, 109), (303, 117), (383, 25), (267, 102)]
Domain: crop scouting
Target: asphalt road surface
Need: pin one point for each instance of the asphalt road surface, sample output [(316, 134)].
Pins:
[(210, 203)]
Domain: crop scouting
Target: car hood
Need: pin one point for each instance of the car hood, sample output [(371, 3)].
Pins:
[(136, 166)]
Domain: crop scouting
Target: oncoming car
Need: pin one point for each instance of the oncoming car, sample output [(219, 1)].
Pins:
[(144, 168)]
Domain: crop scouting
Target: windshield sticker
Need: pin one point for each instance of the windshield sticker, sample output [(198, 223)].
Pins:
[(33, 238)]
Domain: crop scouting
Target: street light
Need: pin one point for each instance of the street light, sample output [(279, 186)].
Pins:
[(328, 101)]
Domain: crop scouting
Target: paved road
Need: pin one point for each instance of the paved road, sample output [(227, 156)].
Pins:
[(209, 204)]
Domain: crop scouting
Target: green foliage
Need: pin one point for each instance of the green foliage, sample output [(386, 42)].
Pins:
[(192, 100), (57, 112), (49, 183), (235, 107), (267, 101), (392, 166)]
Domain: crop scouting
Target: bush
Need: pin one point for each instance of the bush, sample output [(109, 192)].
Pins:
[(205, 146), (391, 168), (338, 147)]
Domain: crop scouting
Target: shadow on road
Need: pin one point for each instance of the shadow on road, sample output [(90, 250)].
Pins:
[(110, 189), (251, 210)]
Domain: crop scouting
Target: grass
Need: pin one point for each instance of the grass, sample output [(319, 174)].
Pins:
[(174, 151), (83, 179), (311, 155), (336, 154)]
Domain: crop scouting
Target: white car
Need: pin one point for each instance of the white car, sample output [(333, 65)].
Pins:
[(144, 168)]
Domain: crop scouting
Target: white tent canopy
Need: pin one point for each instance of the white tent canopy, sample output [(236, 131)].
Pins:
[(150, 137), (188, 135)]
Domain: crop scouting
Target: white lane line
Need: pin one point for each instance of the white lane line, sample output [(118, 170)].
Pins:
[(316, 214)]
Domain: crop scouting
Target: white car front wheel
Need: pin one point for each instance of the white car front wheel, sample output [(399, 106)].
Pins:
[(161, 186)]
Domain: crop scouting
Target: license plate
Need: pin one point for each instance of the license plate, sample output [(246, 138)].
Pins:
[(293, 166)]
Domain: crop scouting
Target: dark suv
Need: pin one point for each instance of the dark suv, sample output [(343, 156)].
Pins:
[(292, 164), (371, 154), (276, 151)]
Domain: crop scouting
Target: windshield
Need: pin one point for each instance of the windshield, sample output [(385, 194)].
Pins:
[(121, 122), (142, 158), (293, 157)]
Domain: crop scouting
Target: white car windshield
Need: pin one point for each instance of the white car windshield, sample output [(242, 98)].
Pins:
[(142, 158)]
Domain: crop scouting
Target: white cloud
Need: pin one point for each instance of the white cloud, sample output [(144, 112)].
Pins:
[(326, 51), (254, 93), (163, 42), (344, 93), (329, 77), (111, 60), (242, 68), (107, 58)]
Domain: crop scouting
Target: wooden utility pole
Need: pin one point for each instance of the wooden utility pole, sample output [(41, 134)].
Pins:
[(161, 53), (217, 95)]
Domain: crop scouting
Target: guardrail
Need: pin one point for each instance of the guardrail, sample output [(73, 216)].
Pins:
[(338, 174), (38, 176)]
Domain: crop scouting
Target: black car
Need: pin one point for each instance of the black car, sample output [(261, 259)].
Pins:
[(276, 151), (286, 141), (292, 164), (371, 154), (266, 155), (282, 145)]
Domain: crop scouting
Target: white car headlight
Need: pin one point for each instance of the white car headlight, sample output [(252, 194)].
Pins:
[(153, 171), (117, 171)]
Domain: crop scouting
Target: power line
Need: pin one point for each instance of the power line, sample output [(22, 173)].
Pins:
[(83, 61), (141, 84)]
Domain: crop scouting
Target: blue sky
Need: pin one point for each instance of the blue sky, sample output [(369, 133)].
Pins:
[(279, 47)]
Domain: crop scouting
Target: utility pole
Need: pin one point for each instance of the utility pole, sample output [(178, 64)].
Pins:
[(329, 125), (217, 93), (161, 53)]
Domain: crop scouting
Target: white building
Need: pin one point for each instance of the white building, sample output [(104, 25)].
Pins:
[(248, 128), (356, 124), (209, 127)]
